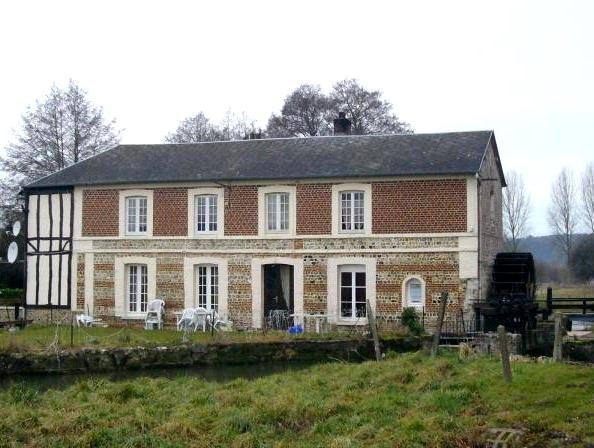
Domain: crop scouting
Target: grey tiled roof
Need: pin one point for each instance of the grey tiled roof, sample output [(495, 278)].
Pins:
[(289, 158)]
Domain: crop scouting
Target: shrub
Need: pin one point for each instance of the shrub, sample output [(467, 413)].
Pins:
[(410, 319)]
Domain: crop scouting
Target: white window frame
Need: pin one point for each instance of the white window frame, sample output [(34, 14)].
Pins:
[(333, 281), (123, 210), (405, 292), (209, 277), (263, 215), (352, 270), (121, 282), (190, 284), (337, 191), (138, 288), (192, 212)]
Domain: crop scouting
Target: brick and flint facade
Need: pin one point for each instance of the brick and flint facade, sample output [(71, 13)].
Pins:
[(440, 229)]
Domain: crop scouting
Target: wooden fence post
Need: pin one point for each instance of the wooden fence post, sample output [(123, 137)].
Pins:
[(558, 344), (373, 327), (502, 339), (442, 307)]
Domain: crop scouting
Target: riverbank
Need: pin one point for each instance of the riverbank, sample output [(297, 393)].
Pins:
[(408, 400), (206, 354)]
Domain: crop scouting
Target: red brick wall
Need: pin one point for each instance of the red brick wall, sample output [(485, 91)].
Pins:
[(241, 210), (100, 211), (419, 206), (170, 212), (314, 209)]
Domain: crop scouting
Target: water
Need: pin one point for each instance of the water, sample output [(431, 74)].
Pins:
[(220, 374)]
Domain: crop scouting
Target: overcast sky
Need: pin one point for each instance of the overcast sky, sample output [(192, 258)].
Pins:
[(524, 69)]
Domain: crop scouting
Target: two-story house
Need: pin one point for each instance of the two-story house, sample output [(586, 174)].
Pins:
[(307, 225)]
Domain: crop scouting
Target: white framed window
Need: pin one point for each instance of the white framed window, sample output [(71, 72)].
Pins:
[(205, 206), (135, 285), (207, 286), (206, 283), (352, 216), (352, 283), (351, 209), (277, 210), (413, 291), (136, 213), (137, 288), (206, 212)]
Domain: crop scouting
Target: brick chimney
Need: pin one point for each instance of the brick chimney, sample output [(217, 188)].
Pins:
[(342, 125)]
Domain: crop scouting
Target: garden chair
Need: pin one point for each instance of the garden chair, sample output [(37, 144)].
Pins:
[(85, 320), (154, 314), (221, 323), (188, 320), (203, 317)]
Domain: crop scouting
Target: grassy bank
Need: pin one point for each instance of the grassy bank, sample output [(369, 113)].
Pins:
[(40, 337), (406, 401)]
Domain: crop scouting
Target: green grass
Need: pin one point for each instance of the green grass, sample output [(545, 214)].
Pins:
[(406, 401), (39, 337)]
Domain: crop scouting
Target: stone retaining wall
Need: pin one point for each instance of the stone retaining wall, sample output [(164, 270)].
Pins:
[(97, 360)]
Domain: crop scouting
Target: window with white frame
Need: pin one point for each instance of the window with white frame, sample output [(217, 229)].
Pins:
[(352, 291), (205, 206), (415, 292), (352, 211), (207, 286), (277, 212), (137, 287), (136, 215)]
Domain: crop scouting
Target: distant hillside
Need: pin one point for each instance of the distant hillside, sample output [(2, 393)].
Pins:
[(544, 248)]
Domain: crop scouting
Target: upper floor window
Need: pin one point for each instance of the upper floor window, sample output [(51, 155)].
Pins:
[(414, 292), (136, 215), (205, 206), (352, 211), (277, 212)]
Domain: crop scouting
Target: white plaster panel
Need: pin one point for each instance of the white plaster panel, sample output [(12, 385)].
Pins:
[(468, 265), (472, 204)]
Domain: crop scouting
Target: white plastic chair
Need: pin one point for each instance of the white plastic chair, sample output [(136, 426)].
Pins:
[(154, 314), (202, 317), (84, 320), (187, 320), (221, 323)]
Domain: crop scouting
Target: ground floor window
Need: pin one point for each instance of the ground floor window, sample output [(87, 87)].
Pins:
[(137, 288), (207, 286), (352, 291), (415, 292)]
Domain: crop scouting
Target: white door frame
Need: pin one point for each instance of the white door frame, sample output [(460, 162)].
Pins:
[(258, 289)]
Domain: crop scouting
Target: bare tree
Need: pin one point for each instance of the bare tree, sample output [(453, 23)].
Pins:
[(516, 209), (368, 112), (563, 216), (63, 129), (305, 113), (588, 196), (195, 129), (236, 126)]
